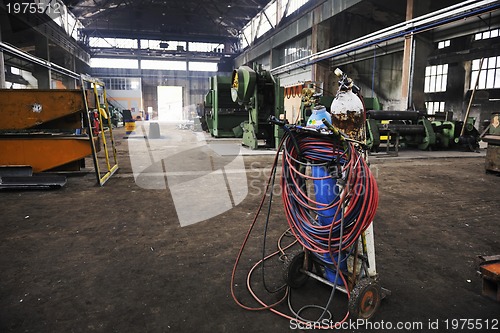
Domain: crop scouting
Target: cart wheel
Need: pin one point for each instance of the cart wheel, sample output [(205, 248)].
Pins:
[(365, 299), (294, 278)]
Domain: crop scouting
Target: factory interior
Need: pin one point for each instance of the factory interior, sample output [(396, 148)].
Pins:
[(249, 166)]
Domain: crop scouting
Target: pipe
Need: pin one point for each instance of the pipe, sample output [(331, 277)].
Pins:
[(393, 115), (432, 20), (403, 129)]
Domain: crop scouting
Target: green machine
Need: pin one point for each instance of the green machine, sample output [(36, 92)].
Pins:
[(261, 95), (413, 128), (449, 133), (409, 128), (222, 115)]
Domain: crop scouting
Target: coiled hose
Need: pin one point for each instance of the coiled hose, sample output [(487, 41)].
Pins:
[(356, 202), (356, 198)]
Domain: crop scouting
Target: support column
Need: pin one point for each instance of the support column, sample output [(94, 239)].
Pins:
[(2, 65), (42, 74), (415, 54), (187, 88), (407, 60), (320, 37)]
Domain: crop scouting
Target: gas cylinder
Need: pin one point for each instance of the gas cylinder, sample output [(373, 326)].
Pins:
[(348, 113), (325, 192), (316, 119)]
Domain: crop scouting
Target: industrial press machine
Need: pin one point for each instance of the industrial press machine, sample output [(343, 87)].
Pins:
[(223, 116), (260, 93)]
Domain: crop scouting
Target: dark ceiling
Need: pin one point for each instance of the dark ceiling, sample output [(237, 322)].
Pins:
[(183, 20)]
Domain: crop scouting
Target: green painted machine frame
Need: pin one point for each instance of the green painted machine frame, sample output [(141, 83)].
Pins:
[(262, 96), (223, 116)]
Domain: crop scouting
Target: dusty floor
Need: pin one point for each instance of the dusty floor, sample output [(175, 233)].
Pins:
[(116, 259)]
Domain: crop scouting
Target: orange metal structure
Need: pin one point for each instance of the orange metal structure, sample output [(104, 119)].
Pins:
[(43, 152), (27, 108), (29, 124)]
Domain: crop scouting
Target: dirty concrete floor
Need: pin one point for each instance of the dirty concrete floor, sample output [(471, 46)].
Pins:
[(116, 259)]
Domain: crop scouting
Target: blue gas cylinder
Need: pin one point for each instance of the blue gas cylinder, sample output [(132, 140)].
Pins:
[(326, 193), (318, 113)]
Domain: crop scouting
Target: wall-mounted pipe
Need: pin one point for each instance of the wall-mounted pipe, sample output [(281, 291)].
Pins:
[(420, 24)]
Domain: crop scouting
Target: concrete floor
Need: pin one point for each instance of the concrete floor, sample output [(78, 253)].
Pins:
[(133, 256)]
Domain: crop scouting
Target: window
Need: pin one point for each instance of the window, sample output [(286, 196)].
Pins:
[(433, 107), (122, 83), (122, 43), (444, 43), (487, 34), (164, 65), (293, 6), (246, 36), (156, 44), (114, 63), (435, 78), (490, 73), (206, 47), (266, 20), (296, 50), (203, 66)]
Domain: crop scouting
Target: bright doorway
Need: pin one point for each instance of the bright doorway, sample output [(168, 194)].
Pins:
[(170, 103)]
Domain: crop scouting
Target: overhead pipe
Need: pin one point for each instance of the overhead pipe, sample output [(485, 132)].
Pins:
[(432, 20)]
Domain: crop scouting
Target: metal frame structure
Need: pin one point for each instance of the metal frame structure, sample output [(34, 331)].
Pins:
[(110, 168)]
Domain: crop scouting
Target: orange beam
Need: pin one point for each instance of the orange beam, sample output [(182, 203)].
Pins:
[(26, 108), (43, 152)]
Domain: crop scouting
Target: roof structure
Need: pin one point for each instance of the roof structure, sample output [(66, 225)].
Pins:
[(186, 20)]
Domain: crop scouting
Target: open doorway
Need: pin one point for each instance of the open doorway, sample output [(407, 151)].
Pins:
[(170, 103)]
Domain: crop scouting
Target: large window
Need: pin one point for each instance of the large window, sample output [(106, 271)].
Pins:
[(114, 63), (487, 34), (206, 47), (203, 66), (123, 43), (433, 107), (435, 78), (296, 50), (267, 19), (164, 65), (490, 73), (156, 44), (293, 5), (122, 83)]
